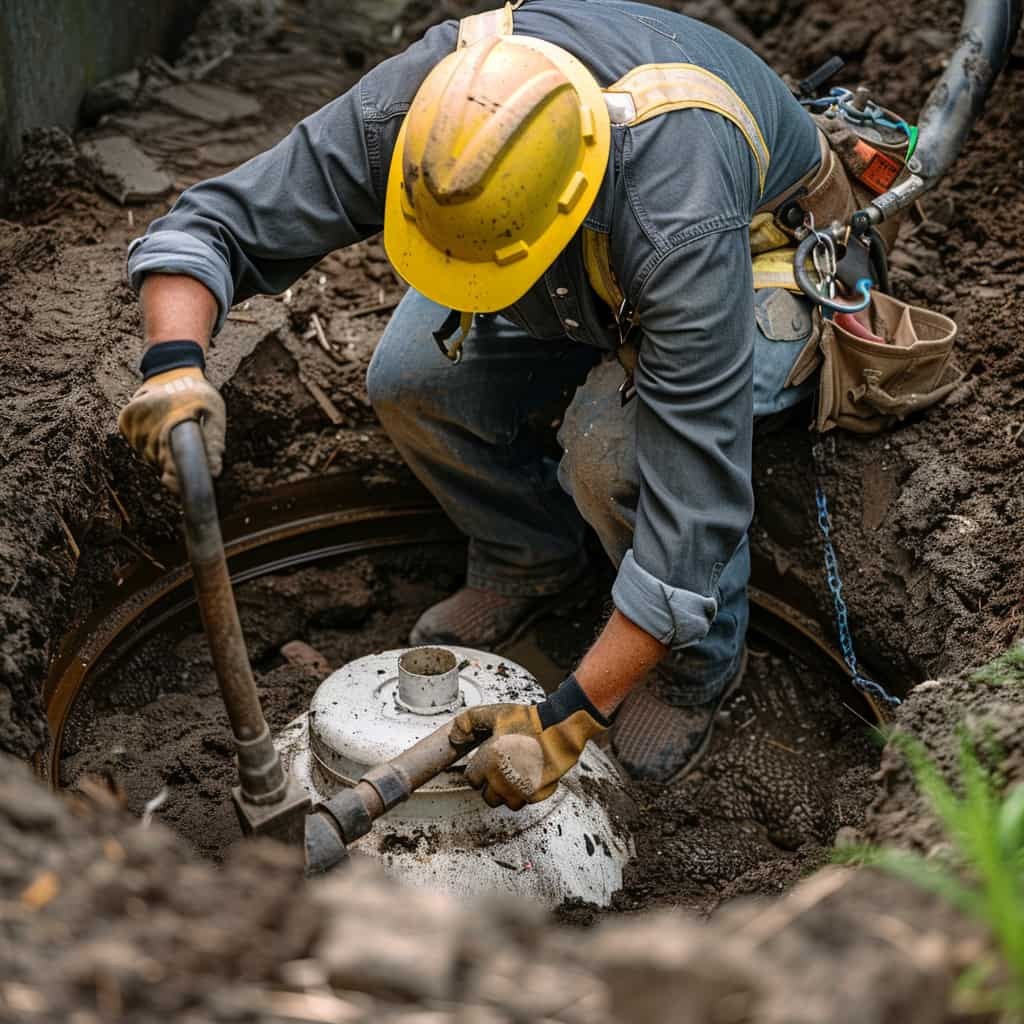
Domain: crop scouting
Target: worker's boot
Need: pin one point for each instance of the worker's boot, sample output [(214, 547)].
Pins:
[(656, 737), (474, 617)]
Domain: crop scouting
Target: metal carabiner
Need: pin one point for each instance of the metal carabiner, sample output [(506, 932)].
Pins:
[(454, 321), (805, 251)]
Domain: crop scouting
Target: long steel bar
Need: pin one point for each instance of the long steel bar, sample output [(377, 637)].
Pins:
[(260, 772)]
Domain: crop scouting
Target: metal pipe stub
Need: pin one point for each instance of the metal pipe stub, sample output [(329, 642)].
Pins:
[(350, 813), (428, 681), (260, 772)]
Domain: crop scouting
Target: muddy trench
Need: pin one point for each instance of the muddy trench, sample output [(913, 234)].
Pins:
[(926, 517), (791, 765)]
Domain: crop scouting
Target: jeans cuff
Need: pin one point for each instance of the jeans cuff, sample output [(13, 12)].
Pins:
[(548, 579)]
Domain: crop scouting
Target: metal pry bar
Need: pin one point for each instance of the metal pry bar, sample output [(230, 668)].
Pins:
[(351, 812), (266, 801)]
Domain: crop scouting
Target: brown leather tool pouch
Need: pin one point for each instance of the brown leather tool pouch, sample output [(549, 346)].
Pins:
[(830, 196), (868, 385)]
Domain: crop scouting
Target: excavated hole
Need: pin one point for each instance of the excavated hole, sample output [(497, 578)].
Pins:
[(790, 764)]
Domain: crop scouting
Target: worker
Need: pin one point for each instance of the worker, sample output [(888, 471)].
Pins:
[(560, 205)]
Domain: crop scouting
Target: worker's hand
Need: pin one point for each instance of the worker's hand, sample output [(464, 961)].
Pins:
[(165, 400), (530, 747)]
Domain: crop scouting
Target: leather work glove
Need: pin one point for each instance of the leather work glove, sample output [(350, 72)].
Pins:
[(174, 390), (531, 746)]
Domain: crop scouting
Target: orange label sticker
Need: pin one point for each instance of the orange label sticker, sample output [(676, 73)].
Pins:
[(880, 171)]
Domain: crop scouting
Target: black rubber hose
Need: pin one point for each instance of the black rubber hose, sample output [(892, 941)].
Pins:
[(987, 34)]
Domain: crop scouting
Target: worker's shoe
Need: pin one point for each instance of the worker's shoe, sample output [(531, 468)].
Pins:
[(474, 617), (655, 737)]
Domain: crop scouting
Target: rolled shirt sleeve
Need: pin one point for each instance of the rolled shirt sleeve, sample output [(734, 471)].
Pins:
[(694, 432), (258, 228)]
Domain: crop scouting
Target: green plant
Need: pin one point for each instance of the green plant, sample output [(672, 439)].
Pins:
[(985, 878), (1007, 668)]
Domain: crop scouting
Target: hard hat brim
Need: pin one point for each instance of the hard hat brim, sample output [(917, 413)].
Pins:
[(487, 286)]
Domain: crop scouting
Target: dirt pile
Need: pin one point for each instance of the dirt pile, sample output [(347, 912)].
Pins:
[(131, 926), (942, 714), (134, 930)]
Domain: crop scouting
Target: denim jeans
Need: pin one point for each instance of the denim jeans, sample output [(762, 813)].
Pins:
[(478, 436)]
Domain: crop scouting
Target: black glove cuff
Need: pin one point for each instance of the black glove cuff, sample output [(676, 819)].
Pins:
[(171, 355), (565, 701)]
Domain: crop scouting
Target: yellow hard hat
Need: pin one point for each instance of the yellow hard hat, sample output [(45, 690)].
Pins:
[(497, 163)]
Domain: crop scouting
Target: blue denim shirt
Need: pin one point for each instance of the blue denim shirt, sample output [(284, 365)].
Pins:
[(677, 199)]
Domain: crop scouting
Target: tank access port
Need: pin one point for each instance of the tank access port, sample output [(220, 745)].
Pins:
[(377, 707)]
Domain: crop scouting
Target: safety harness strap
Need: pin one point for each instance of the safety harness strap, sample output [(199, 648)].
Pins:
[(475, 27), (651, 90), (597, 259), (654, 89), (775, 270)]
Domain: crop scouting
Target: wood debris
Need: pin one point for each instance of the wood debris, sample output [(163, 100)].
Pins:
[(72, 543), (321, 337), (330, 410)]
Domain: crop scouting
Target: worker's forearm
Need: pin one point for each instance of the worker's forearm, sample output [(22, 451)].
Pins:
[(177, 308), (619, 659)]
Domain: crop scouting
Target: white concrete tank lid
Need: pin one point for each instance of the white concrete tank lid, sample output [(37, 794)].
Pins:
[(570, 846), (377, 706)]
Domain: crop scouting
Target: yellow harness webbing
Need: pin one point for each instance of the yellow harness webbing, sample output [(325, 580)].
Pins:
[(657, 89), (489, 23)]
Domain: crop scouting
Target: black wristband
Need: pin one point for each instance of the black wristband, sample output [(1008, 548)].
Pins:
[(565, 701), (171, 355)]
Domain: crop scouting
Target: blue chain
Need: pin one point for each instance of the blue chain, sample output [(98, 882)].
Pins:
[(835, 585)]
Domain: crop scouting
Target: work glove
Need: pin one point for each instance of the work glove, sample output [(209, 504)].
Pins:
[(174, 390), (530, 747)]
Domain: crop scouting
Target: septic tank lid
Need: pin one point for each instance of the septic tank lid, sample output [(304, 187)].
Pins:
[(376, 707)]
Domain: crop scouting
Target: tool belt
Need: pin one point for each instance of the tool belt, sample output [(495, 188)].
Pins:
[(890, 360), (867, 385)]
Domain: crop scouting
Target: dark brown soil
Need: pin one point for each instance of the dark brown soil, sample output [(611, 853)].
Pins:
[(104, 920), (941, 715), (790, 765), (927, 520)]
